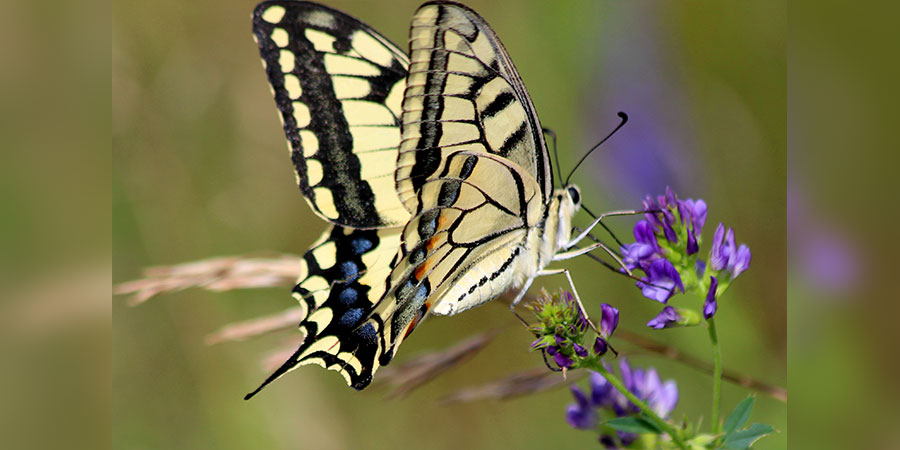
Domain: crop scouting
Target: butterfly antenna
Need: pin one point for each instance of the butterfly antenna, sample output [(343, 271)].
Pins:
[(555, 152), (624, 118)]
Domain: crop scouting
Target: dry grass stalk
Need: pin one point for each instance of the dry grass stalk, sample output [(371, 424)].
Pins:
[(214, 274)]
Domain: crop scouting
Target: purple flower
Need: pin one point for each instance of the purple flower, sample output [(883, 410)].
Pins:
[(580, 351), (581, 414), (697, 209), (718, 258), (602, 393), (600, 346), (668, 317), (725, 255), (661, 280), (644, 249), (563, 361), (710, 306), (609, 320)]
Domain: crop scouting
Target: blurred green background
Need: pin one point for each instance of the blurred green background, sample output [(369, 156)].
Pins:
[(200, 169)]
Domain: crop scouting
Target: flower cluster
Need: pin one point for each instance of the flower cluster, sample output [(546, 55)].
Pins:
[(667, 249), (605, 400), (561, 329)]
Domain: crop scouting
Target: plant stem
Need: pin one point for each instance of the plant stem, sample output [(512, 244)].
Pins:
[(717, 376), (658, 421)]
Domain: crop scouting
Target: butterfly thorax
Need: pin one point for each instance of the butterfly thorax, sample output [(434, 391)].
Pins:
[(557, 229)]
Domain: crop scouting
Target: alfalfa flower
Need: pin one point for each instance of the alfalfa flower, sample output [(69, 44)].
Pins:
[(604, 402), (667, 251)]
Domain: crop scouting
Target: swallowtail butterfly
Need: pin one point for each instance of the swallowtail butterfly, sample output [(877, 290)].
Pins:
[(431, 168)]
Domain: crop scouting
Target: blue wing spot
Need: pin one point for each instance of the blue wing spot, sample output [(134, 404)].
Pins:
[(349, 270), (348, 296), (367, 333), (361, 245), (351, 317)]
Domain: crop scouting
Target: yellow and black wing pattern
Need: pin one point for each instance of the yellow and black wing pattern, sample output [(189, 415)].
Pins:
[(473, 166), (338, 85), (433, 170), (342, 278)]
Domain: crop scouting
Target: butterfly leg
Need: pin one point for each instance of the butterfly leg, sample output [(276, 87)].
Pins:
[(596, 222), (581, 251), (519, 297), (574, 292)]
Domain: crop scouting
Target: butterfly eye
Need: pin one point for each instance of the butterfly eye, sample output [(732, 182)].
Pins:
[(575, 195)]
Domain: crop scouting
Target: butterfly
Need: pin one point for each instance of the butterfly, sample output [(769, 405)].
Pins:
[(432, 170)]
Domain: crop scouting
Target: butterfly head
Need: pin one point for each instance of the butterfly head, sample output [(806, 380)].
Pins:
[(574, 195)]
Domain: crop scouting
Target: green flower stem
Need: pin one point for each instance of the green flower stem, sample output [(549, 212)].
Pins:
[(595, 365), (717, 375)]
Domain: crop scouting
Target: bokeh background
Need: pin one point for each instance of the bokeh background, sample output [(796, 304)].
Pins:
[(200, 169)]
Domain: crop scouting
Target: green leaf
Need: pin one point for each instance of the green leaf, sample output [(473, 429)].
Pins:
[(739, 416), (743, 439), (633, 425)]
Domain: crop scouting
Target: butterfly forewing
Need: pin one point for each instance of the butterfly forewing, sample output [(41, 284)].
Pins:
[(338, 85), (463, 93)]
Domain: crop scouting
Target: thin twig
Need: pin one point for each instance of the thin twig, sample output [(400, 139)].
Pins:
[(239, 331)]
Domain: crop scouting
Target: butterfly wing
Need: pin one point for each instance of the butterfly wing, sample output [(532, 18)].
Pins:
[(338, 85), (463, 92), (343, 276), (474, 166)]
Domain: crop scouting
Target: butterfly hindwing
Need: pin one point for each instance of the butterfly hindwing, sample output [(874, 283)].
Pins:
[(338, 85), (343, 277)]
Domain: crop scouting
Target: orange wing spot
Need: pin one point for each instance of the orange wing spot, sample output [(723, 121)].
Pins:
[(415, 321), (424, 267)]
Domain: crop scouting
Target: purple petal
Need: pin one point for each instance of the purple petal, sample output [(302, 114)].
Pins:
[(700, 267), (740, 262), (728, 247), (600, 390), (581, 398), (551, 350), (560, 341), (667, 398), (609, 319), (650, 205), (668, 317), (625, 370), (668, 220), (692, 245), (710, 306), (650, 386), (562, 360), (580, 351), (600, 346), (661, 280), (580, 414), (698, 214), (717, 259), (670, 197), (538, 344)]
